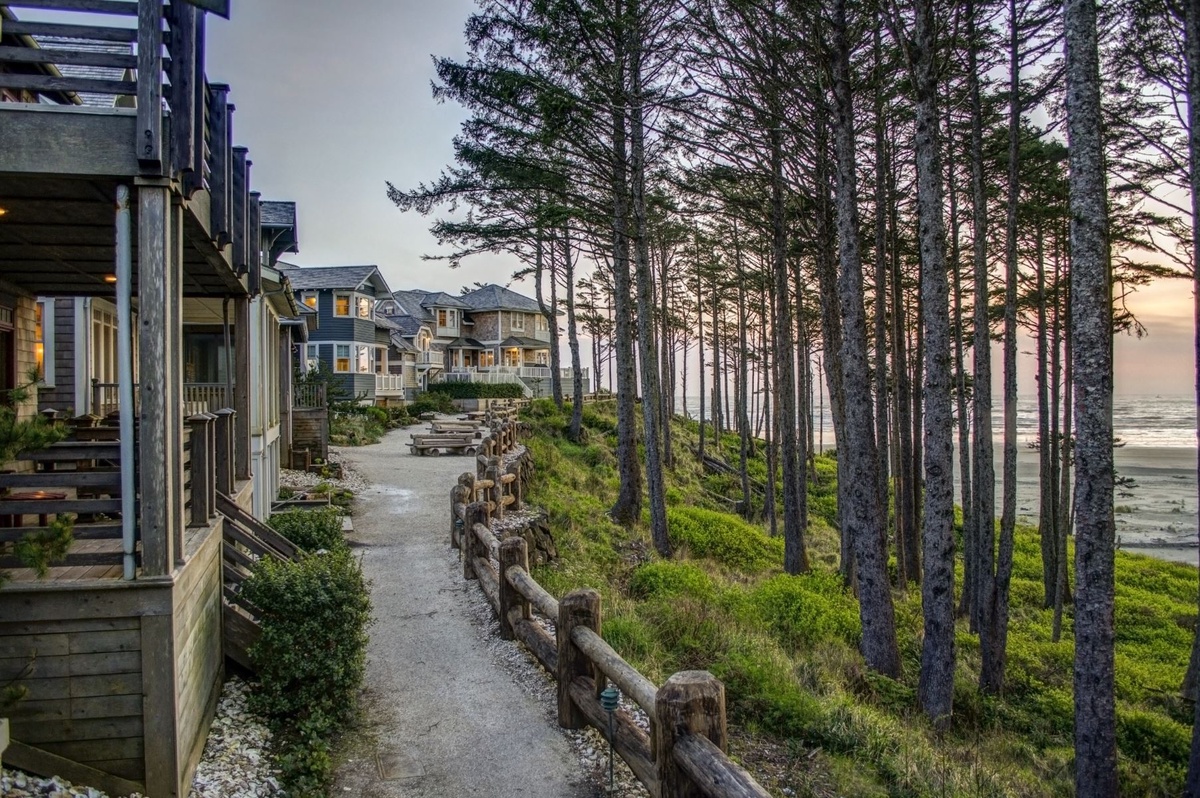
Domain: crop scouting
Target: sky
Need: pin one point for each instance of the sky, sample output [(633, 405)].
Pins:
[(333, 99)]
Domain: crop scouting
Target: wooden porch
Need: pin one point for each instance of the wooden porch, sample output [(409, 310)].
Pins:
[(146, 201)]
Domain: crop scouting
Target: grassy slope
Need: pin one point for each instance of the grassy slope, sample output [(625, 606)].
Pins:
[(786, 647)]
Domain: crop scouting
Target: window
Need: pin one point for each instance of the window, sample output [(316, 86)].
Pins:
[(43, 321), (364, 307), (312, 358), (542, 324), (447, 318), (487, 359), (518, 321), (542, 357), (381, 361), (362, 359), (341, 304), (341, 361), (309, 298)]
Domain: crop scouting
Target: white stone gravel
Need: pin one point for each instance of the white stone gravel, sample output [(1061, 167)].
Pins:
[(15, 784), (236, 762)]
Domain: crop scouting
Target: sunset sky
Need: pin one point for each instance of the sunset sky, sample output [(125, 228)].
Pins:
[(333, 99)]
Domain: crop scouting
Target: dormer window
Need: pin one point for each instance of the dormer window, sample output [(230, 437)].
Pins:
[(341, 304), (447, 318), (309, 298)]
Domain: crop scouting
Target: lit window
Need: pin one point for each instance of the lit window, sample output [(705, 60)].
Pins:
[(518, 321), (342, 358), (309, 298), (313, 358), (364, 308), (341, 304), (443, 318), (363, 359), (43, 347)]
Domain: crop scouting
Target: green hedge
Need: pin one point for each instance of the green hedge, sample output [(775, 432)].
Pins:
[(310, 658), (478, 390), (311, 530)]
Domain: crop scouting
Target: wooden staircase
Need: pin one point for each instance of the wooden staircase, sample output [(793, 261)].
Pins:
[(247, 540)]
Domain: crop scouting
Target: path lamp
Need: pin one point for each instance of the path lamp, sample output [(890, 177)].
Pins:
[(610, 698)]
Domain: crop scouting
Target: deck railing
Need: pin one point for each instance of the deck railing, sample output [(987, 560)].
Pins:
[(684, 752), (206, 396), (389, 384), (154, 53), (309, 397)]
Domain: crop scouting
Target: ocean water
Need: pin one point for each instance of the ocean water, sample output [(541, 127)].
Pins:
[(1156, 513)]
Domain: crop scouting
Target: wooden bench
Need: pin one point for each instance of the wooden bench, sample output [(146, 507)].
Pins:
[(456, 427), (448, 443)]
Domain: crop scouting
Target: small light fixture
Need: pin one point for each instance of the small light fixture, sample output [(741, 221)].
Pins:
[(110, 278), (3, 211)]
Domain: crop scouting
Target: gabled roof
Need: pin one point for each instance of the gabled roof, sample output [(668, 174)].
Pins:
[(409, 304), (278, 214), (517, 342), (327, 278), (441, 299), (465, 343), (496, 297), (384, 323), (403, 344)]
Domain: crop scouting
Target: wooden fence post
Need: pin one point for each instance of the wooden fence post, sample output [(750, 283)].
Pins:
[(461, 495), (514, 468), (690, 702), (514, 552), (496, 492), (577, 608), (476, 514)]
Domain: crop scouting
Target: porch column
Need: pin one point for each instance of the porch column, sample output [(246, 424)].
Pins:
[(241, 386), (161, 419), (174, 384), (285, 394)]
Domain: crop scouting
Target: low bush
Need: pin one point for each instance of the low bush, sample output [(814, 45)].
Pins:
[(725, 538), (665, 579), (310, 658), (478, 390), (311, 530), (354, 429), (431, 402)]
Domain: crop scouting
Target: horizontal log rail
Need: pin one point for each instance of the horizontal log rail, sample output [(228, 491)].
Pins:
[(684, 752)]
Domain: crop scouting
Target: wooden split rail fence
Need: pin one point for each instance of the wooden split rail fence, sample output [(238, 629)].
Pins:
[(684, 754)]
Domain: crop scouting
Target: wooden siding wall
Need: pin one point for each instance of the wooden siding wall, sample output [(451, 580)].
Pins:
[(199, 659), (85, 690), (310, 430), (62, 396)]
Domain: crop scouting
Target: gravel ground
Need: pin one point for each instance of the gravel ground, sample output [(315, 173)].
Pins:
[(446, 713)]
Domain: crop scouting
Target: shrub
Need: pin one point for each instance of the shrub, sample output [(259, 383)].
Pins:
[(431, 402), (478, 390), (664, 579), (801, 611), (311, 656), (725, 538), (311, 530)]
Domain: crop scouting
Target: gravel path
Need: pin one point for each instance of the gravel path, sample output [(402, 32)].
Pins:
[(445, 714)]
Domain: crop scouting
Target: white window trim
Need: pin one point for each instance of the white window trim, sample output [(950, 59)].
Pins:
[(349, 359), (315, 296), (349, 305), (47, 342), (517, 322), (358, 299)]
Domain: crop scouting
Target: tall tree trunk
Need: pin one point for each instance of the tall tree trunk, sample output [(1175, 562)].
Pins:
[(742, 381), (576, 427), (651, 401), (700, 341), (862, 518), (1091, 324), (1066, 447), (984, 471), (906, 500), (960, 371), (717, 372), (667, 348), (936, 685), (994, 635), (556, 390), (628, 508), (770, 413), (881, 295), (1046, 449), (795, 551), (1192, 60)]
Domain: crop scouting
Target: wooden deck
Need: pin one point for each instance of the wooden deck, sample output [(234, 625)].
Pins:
[(77, 573)]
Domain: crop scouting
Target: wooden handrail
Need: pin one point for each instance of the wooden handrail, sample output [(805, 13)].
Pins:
[(712, 771), (612, 665)]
